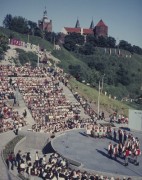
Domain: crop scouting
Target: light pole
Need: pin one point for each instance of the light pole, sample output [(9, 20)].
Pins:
[(99, 99), (38, 56), (38, 61), (102, 83)]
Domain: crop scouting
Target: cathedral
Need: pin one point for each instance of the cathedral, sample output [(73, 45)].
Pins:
[(101, 29), (45, 24)]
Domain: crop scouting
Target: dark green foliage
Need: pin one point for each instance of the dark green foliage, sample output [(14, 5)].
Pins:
[(7, 21), (72, 41), (3, 45), (87, 49), (125, 45), (111, 42), (27, 57)]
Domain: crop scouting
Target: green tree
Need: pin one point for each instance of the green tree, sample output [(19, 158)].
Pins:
[(19, 24), (91, 39), (125, 45), (102, 41), (72, 41), (3, 45), (31, 27), (87, 49), (7, 21), (111, 42)]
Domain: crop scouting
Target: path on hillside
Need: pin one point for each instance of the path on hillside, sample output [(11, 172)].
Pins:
[(70, 97)]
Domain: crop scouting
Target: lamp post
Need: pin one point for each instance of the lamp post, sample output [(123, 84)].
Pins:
[(38, 61), (99, 99), (38, 56), (102, 83)]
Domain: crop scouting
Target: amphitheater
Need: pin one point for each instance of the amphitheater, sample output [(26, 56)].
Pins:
[(82, 152)]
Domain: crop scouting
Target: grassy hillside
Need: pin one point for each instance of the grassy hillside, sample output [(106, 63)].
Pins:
[(91, 94), (123, 76), (32, 39), (91, 68)]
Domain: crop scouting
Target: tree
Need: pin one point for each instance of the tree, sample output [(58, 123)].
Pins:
[(19, 24), (3, 45), (87, 49), (7, 21), (38, 32), (91, 39), (137, 50), (111, 42), (31, 27), (72, 41), (125, 45), (102, 41)]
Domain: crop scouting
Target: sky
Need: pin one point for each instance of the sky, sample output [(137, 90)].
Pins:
[(123, 17)]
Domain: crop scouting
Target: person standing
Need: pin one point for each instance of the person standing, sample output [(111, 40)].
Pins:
[(36, 159), (136, 154), (110, 149), (120, 149), (115, 151), (114, 135), (126, 155), (18, 158)]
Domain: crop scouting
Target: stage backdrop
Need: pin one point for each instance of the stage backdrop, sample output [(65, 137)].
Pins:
[(135, 119)]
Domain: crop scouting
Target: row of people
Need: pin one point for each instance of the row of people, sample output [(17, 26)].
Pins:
[(130, 149), (53, 167)]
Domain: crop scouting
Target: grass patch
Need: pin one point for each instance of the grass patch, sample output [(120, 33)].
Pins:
[(11, 145), (91, 94)]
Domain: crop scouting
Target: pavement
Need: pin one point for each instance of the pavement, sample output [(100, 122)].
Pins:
[(92, 154)]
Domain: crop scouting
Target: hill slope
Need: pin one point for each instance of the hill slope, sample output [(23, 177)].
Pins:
[(91, 68)]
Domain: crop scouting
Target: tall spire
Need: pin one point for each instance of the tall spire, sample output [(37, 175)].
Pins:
[(92, 24), (45, 12), (77, 24)]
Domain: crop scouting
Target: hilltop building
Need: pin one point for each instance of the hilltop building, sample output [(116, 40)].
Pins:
[(45, 24), (101, 29), (77, 29)]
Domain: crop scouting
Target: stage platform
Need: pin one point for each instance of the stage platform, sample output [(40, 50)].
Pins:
[(92, 153)]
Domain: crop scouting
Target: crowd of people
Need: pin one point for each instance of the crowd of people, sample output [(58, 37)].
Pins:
[(52, 112), (9, 115), (126, 147), (53, 167)]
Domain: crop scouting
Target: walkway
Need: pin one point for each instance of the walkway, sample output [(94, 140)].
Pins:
[(8, 136)]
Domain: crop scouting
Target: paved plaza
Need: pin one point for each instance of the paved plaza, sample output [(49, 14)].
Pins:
[(92, 153)]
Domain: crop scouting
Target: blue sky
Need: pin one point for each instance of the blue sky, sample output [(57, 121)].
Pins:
[(123, 17)]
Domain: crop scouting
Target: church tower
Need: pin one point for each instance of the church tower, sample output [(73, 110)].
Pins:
[(101, 29), (92, 25), (77, 25), (45, 24)]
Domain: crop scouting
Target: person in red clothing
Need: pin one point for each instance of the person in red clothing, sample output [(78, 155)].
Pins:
[(126, 155), (136, 154)]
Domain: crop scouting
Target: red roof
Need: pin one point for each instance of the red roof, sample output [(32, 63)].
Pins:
[(71, 30), (78, 30), (87, 31), (101, 23)]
